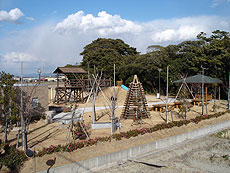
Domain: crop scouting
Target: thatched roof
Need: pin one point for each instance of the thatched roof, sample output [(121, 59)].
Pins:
[(198, 79), (70, 70)]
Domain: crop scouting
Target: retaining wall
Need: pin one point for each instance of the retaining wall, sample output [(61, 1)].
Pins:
[(111, 158)]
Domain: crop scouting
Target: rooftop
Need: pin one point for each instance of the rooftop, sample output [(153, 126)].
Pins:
[(70, 70)]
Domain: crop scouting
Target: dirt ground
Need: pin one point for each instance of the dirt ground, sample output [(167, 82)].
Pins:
[(41, 134), (209, 154), (113, 146)]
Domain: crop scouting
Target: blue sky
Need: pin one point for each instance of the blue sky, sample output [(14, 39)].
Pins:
[(50, 33)]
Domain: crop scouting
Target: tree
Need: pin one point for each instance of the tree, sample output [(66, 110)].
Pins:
[(29, 110), (142, 66), (161, 57), (103, 53), (8, 108), (184, 59), (216, 50)]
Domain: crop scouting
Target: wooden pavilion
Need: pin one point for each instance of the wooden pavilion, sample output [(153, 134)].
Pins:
[(74, 85), (199, 79)]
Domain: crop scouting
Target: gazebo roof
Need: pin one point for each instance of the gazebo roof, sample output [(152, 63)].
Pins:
[(198, 79), (70, 70)]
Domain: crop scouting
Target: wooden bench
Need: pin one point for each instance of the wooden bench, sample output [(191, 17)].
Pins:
[(160, 107), (178, 104)]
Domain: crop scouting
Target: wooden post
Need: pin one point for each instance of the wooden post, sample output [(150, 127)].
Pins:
[(167, 95), (219, 92), (57, 91), (65, 89), (206, 106), (57, 80), (228, 90), (202, 90)]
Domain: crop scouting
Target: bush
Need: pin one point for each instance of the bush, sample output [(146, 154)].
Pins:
[(78, 132), (12, 158), (117, 136), (103, 139), (131, 133)]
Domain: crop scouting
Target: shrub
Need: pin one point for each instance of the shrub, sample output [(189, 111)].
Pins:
[(128, 134), (12, 158), (78, 132), (103, 139), (90, 142), (117, 136), (43, 117)]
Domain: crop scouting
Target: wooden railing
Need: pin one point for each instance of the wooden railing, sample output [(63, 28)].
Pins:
[(86, 83)]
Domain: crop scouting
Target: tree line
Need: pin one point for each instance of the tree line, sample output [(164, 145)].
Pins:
[(184, 59)]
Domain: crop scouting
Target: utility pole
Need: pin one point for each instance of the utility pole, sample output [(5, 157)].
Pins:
[(113, 99), (167, 96), (202, 90), (159, 69), (23, 125), (228, 90)]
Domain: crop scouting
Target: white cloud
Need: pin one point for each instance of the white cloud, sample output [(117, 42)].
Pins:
[(183, 29), (104, 24), (19, 57), (57, 44), (30, 18), (12, 16), (218, 2), (159, 31)]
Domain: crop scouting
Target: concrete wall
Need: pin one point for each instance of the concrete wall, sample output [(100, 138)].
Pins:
[(111, 158)]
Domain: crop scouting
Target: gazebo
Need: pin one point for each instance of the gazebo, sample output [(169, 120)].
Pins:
[(199, 79)]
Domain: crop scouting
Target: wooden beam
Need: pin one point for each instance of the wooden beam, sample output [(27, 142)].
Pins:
[(65, 90), (219, 92)]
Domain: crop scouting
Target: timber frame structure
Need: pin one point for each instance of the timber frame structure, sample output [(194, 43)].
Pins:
[(74, 86), (135, 106)]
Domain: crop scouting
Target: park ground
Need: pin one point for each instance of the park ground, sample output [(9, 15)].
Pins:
[(41, 134)]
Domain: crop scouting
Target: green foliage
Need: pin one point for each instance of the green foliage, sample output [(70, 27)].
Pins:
[(141, 65), (7, 95), (8, 104), (184, 59), (12, 158), (104, 53)]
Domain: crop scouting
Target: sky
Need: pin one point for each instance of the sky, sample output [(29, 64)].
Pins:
[(52, 33)]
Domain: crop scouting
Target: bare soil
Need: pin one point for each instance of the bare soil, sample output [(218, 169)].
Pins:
[(209, 154), (41, 134)]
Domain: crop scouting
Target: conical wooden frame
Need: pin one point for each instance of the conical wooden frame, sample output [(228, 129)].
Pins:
[(135, 102)]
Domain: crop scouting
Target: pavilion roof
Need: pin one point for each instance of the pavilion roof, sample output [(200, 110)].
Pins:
[(70, 70), (198, 79)]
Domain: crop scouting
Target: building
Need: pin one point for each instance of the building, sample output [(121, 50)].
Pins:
[(37, 94)]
